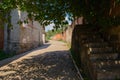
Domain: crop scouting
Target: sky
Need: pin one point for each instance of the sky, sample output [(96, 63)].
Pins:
[(50, 27)]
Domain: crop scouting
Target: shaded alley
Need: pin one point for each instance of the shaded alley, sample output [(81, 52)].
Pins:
[(49, 62)]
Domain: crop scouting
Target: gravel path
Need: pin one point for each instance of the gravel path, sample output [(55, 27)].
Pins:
[(49, 62)]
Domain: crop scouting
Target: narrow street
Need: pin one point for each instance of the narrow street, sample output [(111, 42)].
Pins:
[(49, 62)]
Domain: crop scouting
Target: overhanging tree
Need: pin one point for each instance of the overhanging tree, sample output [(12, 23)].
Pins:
[(55, 11)]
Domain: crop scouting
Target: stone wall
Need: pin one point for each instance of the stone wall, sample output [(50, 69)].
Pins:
[(14, 32), (68, 32), (31, 36), (66, 35), (24, 36), (112, 35), (82, 35)]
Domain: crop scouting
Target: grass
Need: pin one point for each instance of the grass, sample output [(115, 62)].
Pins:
[(4, 55)]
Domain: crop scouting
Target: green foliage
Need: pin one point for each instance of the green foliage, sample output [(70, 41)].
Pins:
[(117, 1), (51, 33), (56, 30), (117, 79), (54, 11)]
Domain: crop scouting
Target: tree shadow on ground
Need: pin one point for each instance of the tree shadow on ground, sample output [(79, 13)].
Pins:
[(56, 65), (8, 60)]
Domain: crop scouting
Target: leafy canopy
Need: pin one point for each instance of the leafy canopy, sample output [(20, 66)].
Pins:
[(55, 11)]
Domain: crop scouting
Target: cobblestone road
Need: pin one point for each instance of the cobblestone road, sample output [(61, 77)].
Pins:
[(49, 62)]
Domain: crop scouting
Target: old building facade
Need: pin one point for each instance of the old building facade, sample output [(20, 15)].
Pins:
[(22, 36)]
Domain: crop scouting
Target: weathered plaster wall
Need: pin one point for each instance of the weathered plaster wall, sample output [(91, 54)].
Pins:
[(23, 36), (68, 33), (38, 32), (69, 30), (30, 36), (14, 35)]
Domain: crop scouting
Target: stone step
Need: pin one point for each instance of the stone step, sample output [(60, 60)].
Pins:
[(103, 56), (112, 74), (89, 33), (92, 40), (106, 64), (96, 44), (101, 50), (89, 36), (87, 29)]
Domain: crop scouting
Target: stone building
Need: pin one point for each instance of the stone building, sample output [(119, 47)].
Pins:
[(24, 36), (68, 31)]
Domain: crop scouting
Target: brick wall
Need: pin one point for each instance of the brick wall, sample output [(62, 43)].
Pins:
[(57, 36)]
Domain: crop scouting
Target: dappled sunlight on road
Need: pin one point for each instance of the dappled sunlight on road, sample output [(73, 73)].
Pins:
[(44, 65)]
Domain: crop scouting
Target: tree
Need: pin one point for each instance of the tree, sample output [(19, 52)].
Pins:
[(54, 11)]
